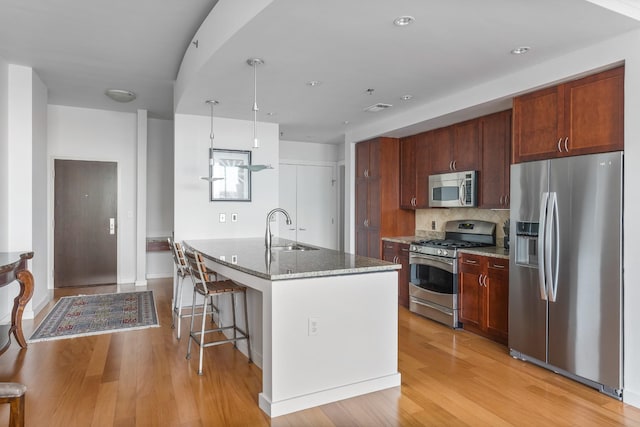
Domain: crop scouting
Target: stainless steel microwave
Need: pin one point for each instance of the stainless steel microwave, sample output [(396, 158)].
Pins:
[(453, 190)]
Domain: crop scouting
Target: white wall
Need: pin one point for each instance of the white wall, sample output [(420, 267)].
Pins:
[(195, 217), (622, 48), (39, 221), (99, 135), (4, 157), (308, 151), (159, 193)]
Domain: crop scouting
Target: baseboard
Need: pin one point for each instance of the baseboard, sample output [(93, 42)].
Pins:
[(167, 275), (631, 398), (287, 406)]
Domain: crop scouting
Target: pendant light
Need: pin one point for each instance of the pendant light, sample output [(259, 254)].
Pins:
[(254, 62), (210, 178)]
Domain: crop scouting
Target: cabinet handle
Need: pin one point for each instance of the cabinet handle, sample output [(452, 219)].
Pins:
[(484, 280), (450, 165), (480, 280), (559, 147), (414, 201), (566, 141), (470, 261), (404, 250), (497, 266), (506, 200), (501, 197), (302, 229), (454, 165)]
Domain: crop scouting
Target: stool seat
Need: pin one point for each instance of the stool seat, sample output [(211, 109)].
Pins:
[(12, 389), (13, 394)]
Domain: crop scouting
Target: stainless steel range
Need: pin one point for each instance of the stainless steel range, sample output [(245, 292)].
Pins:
[(433, 289)]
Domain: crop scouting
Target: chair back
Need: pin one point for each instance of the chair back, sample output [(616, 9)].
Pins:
[(199, 271), (179, 258)]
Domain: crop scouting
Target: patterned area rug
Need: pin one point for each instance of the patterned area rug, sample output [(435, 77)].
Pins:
[(85, 315)]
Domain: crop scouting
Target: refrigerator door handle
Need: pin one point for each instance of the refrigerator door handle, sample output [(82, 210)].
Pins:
[(554, 225), (544, 199)]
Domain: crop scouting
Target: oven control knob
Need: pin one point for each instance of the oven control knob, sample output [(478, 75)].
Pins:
[(445, 253), (439, 251)]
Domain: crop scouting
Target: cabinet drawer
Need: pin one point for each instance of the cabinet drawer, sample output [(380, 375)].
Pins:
[(470, 263), (499, 264)]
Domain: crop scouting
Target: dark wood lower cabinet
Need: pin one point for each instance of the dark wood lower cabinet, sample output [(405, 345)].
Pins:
[(399, 253), (484, 296)]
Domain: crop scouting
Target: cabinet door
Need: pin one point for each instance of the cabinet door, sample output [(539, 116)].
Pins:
[(495, 142), (470, 291), (423, 143), (408, 172), (536, 128), (497, 299), (374, 159), (362, 159), (466, 153), (403, 275), (594, 113), (389, 251), (374, 249), (440, 150)]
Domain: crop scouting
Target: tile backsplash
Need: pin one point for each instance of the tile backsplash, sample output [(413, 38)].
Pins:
[(425, 217)]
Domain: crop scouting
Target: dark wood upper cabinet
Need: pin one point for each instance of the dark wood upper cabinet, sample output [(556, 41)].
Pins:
[(408, 172), (494, 171), (579, 117), (466, 152)]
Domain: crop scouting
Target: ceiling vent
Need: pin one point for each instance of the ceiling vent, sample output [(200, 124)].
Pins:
[(377, 107)]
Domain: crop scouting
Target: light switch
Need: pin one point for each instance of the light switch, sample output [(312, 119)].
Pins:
[(234, 217), (223, 217)]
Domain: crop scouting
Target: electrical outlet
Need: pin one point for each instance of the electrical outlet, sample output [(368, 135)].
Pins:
[(234, 259), (433, 225), (223, 217), (314, 324), (234, 217)]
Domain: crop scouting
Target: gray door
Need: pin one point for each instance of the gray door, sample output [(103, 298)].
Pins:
[(584, 319), (527, 309), (85, 250)]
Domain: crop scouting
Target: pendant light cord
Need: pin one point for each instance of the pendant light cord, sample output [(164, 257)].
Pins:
[(256, 144)]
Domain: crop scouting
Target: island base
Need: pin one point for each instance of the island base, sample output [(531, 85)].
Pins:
[(275, 409)]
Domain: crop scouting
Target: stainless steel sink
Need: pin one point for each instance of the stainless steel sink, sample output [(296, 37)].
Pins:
[(292, 247)]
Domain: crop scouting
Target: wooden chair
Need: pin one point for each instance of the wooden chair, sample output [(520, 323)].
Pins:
[(182, 271), (207, 285), (13, 394)]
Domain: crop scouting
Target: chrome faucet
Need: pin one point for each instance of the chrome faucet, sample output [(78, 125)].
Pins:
[(267, 234)]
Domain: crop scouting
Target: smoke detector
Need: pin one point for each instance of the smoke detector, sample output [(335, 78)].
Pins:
[(377, 107)]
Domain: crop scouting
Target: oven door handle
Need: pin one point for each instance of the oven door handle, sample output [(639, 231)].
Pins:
[(432, 261)]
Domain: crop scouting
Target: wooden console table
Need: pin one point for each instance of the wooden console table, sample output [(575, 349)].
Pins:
[(13, 266)]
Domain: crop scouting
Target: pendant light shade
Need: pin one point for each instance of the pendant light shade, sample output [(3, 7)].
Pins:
[(254, 62)]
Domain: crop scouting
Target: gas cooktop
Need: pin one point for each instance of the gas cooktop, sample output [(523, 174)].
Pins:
[(458, 235)]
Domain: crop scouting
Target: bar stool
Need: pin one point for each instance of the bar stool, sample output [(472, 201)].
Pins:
[(182, 271), (203, 285), (13, 394)]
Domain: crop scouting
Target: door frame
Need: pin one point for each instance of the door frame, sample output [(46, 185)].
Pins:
[(51, 211)]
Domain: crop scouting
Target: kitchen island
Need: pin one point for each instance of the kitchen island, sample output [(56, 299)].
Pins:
[(324, 323)]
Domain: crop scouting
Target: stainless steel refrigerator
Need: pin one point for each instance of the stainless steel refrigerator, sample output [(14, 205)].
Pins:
[(565, 277)]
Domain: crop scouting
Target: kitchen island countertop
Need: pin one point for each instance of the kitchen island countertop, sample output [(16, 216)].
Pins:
[(250, 256)]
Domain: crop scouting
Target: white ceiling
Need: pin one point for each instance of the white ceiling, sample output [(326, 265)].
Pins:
[(79, 48)]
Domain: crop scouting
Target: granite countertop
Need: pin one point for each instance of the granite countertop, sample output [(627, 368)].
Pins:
[(250, 256), (402, 239), (492, 251)]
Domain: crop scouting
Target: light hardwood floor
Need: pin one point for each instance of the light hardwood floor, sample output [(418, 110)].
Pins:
[(141, 378)]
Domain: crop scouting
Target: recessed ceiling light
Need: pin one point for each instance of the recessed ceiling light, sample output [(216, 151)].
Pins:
[(271, 113), (120, 95), (314, 83), (406, 97), (402, 21), (520, 50), (346, 122)]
